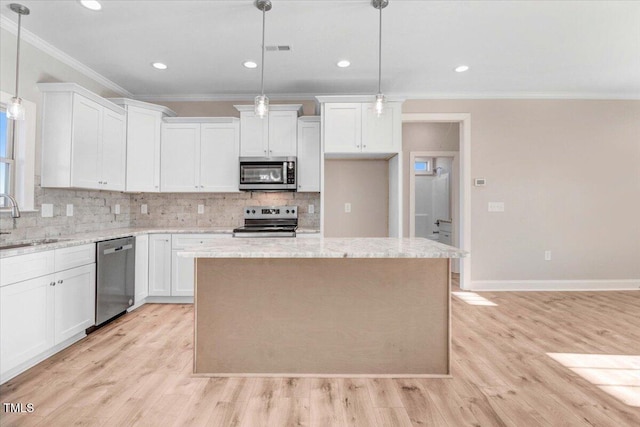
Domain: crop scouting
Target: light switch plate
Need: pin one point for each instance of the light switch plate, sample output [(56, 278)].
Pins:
[(347, 207), (69, 210), (46, 210), (200, 209), (496, 206), (116, 209), (143, 209), (311, 209), (479, 182)]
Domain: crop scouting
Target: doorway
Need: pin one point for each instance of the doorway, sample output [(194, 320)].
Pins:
[(459, 186), (432, 217)]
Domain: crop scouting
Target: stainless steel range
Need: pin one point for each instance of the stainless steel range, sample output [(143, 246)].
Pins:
[(268, 221)]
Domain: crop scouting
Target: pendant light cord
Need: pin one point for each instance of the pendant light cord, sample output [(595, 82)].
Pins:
[(262, 64), (380, 51), (18, 53)]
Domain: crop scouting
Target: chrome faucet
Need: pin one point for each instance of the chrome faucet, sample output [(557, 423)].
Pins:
[(15, 211)]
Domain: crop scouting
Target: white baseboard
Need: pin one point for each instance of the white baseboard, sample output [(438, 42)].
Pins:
[(555, 285), (169, 300), (17, 370)]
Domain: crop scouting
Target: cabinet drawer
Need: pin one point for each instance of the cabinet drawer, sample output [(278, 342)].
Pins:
[(182, 241), (23, 267), (75, 256)]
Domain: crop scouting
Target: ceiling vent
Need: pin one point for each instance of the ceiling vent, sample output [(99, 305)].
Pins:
[(278, 48)]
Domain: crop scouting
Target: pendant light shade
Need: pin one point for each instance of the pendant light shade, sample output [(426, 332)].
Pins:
[(262, 101), (380, 99), (15, 110)]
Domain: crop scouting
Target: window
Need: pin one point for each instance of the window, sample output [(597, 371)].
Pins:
[(423, 166), (6, 156), (17, 155)]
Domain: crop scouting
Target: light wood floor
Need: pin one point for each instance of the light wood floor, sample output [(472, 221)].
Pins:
[(136, 371)]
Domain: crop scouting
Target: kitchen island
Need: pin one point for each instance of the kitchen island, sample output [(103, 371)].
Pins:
[(323, 307)]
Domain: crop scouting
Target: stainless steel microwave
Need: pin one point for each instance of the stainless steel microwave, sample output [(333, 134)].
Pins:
[(268, 174)]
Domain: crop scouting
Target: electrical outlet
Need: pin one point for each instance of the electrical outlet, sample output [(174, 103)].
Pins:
[(311, 209), (200, 209), (547, 255), (116, 209), (69, 210), (347, 207), (143, 209), (46, 210), (496, 206)]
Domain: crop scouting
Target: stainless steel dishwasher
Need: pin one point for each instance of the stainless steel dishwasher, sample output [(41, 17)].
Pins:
[(116, 276)]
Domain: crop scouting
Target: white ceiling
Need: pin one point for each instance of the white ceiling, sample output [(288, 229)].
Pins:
[(552, 49)]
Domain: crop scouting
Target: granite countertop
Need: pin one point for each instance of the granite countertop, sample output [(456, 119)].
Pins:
[(325, 248), (97, 236)]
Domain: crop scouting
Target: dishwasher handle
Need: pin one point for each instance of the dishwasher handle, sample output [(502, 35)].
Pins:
[(118, 249)]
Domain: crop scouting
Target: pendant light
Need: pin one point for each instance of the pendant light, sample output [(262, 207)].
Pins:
[(380, 99), (15, 110), (262, 101)]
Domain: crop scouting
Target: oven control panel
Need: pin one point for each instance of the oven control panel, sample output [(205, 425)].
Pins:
[(271, 212)]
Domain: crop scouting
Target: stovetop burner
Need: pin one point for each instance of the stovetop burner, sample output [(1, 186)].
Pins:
[(268, 221)]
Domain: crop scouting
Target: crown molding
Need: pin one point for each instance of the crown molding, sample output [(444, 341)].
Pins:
[(29, 37), (222, 97)]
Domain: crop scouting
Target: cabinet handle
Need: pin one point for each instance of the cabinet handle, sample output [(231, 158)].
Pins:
[(99, 182), (52, 284), (60, 281), (357, 145), (105, 183), (202, 186), (364, 146), (196, 186)]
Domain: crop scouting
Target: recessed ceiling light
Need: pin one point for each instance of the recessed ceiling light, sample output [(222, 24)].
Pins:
[(91, 4), (461, 68), (159, 65), (250, 64), (343, 64)]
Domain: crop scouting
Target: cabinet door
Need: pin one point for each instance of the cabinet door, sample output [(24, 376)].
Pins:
[(160, 265), (342, 128), (219, 152), (254, 134), (26, 320), (308, 156), (180, 157), (283, 127), (143, 149), (114, 151), (75, 296), (382, 134), (86, 161), (142, 268), (182, 275)]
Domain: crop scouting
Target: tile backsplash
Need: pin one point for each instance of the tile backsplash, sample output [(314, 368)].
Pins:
[(95, 210)]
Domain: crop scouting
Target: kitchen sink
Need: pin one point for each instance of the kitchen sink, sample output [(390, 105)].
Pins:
[(30, 243)]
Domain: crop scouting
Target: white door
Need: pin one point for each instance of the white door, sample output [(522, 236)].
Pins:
[(180, 157), (75, 296), (142, 268), (254, 134), (86, 166), (380, 134), (113, 151), (283, 127), (160, 265), (182, 271), (143, 149), (308, 156), (26, 320), (342, 127), (219, 152)]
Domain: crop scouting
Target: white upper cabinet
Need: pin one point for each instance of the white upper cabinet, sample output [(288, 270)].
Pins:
[(144, 122), (353, 127), (83, 139), (200, 155), (309, 153), (272, 136)]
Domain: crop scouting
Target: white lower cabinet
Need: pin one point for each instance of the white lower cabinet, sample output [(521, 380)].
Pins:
[(142, 268), (160, 265), (74, 301), (39, 314), (182, 269), (26, 321)]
